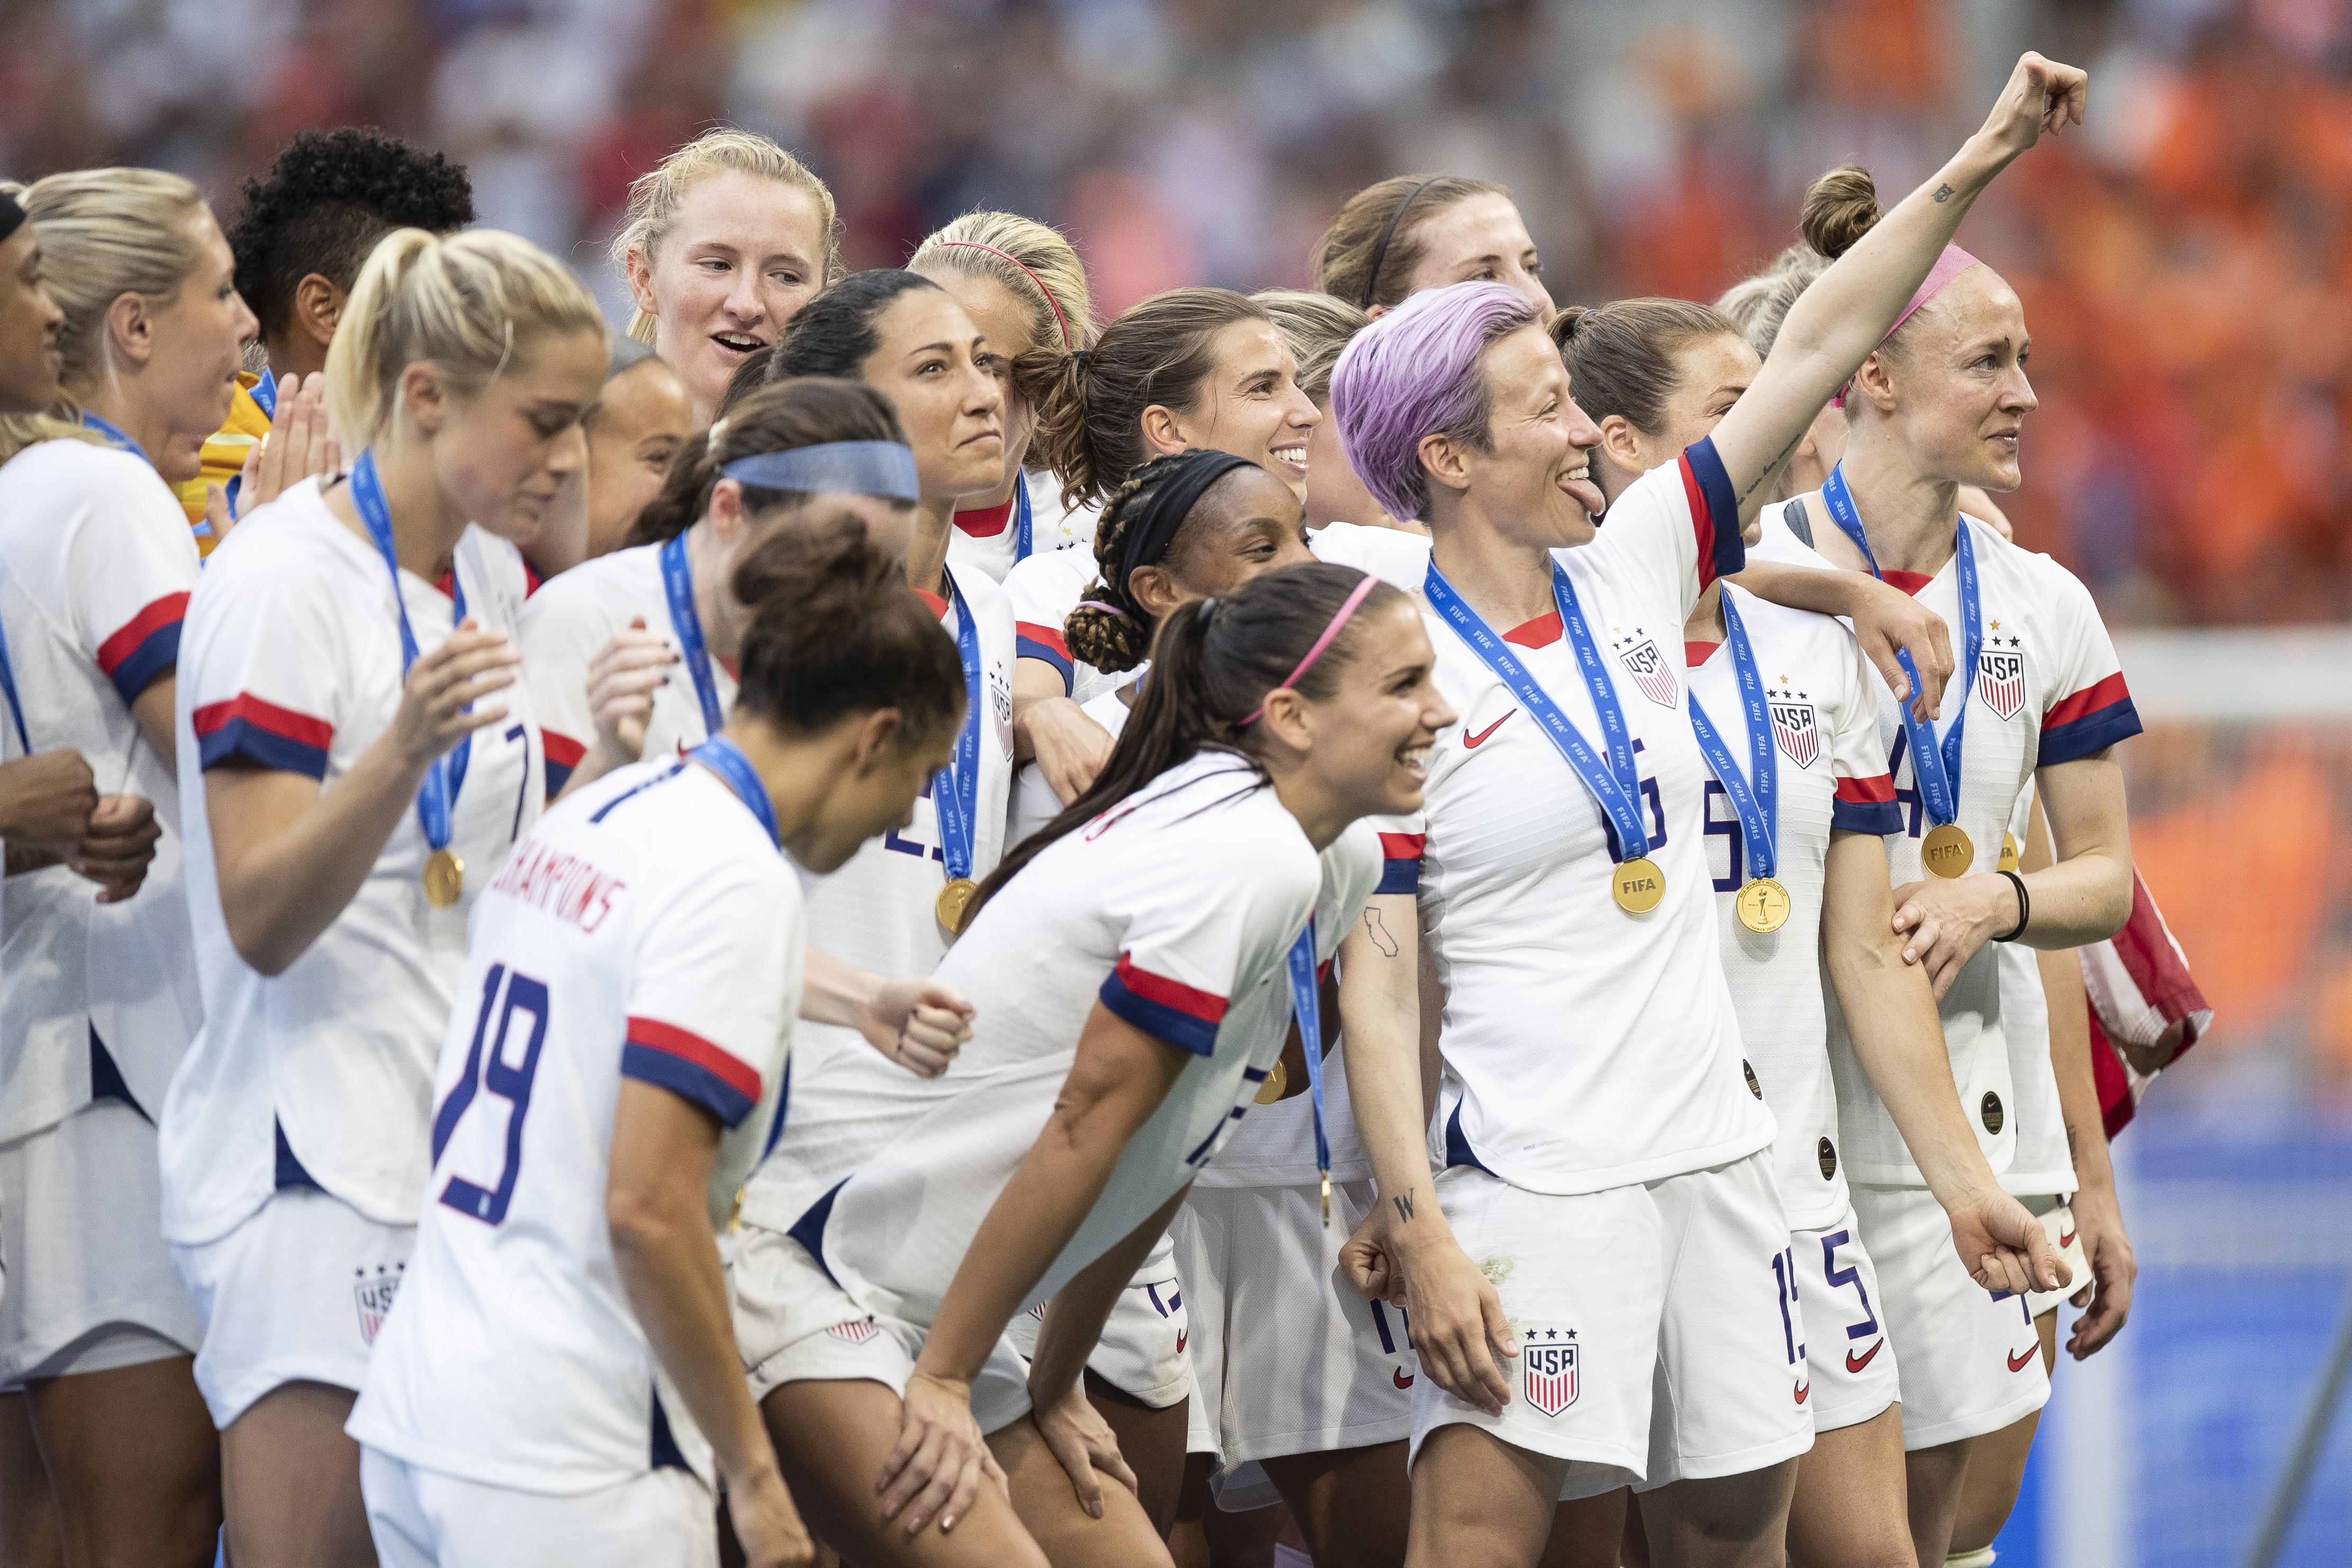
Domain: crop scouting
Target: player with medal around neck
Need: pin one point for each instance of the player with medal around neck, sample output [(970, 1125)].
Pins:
[(1501, 493)]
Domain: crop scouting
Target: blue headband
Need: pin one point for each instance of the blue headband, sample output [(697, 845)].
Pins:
[(860, 468)]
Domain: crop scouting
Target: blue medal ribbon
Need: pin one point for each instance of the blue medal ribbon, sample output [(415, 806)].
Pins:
[(1614, 784), (1754, 799), (1306, 1006), (678, 582), (955, 789), (8, 689), (725, 758), (264, 394), (438, 793), (116, 436), (1024, 537), (1936, 769)]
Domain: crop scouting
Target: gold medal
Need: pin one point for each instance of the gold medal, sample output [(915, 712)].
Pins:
[(1275, 1081), (1638, 885), (2008, 861), (1763, 905), (445, 878), (955, 903), (1947, 851)]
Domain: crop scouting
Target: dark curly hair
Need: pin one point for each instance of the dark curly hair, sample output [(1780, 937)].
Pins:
[(327, 200)]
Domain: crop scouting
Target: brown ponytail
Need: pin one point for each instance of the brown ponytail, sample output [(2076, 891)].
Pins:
[(1621, 356), (1350, 260), (809, 412)]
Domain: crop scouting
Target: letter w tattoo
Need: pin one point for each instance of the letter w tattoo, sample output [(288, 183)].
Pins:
[(1403, 1205)]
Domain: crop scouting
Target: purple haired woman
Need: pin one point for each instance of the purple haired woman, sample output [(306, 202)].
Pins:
[(1599, 1279)]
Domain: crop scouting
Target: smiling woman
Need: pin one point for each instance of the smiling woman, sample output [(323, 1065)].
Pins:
[(724, 241)]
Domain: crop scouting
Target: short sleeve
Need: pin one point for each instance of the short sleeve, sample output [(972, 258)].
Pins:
[(1866, 790), (129, 570), (1401, 840), (1186, 936), (2090, 706), (1679, 523), (706, 1011), (562, 628), (262, 673), (1042, 590)]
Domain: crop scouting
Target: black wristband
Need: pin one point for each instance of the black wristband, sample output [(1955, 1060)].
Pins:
[(2024, 907)]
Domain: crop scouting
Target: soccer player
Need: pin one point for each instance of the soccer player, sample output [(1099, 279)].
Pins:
[(724, 242), (639, 425), (357, 757), (1786, 714), (1400, 235), (1025, 290), (1941, 403), (98, 994), (1607, 1213), (1135, 973), (559, 1384)]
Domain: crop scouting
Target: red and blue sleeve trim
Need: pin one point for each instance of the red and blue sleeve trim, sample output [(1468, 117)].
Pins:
[(563, 755), (146, 645), (1400, 863), (691, 1068), (1165, 1009), (247, 728), (2089, 721), (1043, 642), (1867, 806), (1715, 512)]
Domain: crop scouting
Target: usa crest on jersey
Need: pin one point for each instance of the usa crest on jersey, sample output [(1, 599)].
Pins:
[(2001, 676), (1648, 667), (372, 1294), (1548, 1368), (1796, 729), (856, 1333)]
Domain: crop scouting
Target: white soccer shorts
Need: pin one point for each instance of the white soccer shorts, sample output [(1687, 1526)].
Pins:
[(427, 1519), (2057, 1218), (1141, 1352), (1852, 1367)]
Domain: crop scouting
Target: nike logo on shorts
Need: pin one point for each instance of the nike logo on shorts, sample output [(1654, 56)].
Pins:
[(2067, 1240), (1180, 1341), (1802, 1390), (1471, 742), (1400, 1377), (1853, 1364), (2018, 1363)]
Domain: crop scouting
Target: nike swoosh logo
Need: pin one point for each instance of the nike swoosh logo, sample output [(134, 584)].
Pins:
[(1802, 1390), (1180, 1341), (1853, 1365), (2017, 1362), (1402, 1378), (1471, 742), (2067, 1240)]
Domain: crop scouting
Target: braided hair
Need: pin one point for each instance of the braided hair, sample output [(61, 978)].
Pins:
[(1111, 630)]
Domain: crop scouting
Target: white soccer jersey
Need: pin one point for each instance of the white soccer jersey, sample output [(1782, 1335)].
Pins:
[(1586, 1048), (569, 622), (879, 912), (1176, 909), (1395, 557), (648, 929), (1035, 803), (291, 661), (988, 539), (2046, 689), (1831, 775), (96, 566), (1043, 591)]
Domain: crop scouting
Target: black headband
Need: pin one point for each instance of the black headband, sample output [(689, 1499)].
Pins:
[(1381, 251), (1160, 513), (11, 216)]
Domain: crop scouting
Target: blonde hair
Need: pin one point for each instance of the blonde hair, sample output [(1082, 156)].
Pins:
[(1317, 328), (104, 233), (1758, 305), (470, 303), (1033, 262), (656, 196)]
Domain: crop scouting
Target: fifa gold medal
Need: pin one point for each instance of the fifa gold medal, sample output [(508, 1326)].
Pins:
[(1638, 885), (1947, 851), (2008, 861), (955, 903), (1763, 904), (445, 878), (1275, 1081)]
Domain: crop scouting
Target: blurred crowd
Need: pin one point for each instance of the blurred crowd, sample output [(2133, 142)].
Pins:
[(2187, 267)]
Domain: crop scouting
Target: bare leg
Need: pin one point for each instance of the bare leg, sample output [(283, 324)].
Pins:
[(1850, 1508), (1932, 1481), (1353, 1505), (1048, 1506), (831, 1439), (1997, 1468), (1151, 1441), (1206, 1534), (1590, 1532), (1725, 1521), (29, 1511), (1478, 1502), (136, 1464), (291, 1482)]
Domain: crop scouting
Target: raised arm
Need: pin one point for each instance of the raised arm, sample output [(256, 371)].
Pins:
[(1847, 313)]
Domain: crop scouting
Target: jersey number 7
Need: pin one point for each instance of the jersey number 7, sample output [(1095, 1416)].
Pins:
[(510, 1081)]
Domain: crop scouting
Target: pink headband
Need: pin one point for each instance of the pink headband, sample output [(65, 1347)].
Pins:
[(1346, 608), (1051, 302), (1948, 266)]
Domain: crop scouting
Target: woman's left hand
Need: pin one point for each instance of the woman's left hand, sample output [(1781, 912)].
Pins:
[(622, 680), (1944, 921), (1083, 1441)]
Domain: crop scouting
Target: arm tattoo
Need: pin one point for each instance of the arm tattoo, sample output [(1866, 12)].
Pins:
[(1403, 1205), (1944, 192), (1765, 475), (1379, 932)]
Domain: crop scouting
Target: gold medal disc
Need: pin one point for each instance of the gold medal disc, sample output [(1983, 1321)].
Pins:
[(1763, 905), (2008, 861), (445, 878), (1276, 1082), (1638, 885), (1947, 851), (955, 903)]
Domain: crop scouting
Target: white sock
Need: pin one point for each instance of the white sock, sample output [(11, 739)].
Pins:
[(1980, 1558)]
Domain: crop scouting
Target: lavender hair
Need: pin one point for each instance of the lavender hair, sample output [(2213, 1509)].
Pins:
[(1417, 372)]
